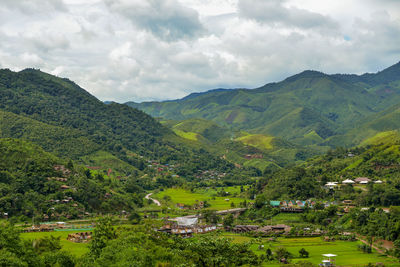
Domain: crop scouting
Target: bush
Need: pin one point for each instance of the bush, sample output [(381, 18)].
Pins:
[(303, 253)]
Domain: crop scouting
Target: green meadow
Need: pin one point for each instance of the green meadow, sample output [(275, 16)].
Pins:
[(347, 252), (286, 218), (180, 195), (77, 249)]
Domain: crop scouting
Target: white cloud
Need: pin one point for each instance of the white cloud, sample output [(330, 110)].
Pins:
[(167, 19), (276, 13), (143, 50), (34, 6)]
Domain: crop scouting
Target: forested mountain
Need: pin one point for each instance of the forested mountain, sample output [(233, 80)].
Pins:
[(307, 108), (63, 118)]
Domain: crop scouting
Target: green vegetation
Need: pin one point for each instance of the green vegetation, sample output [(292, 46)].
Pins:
[(35, 183), (214, 198), (307, 108), (76, 249), (128, 245), (347, 252), (66, 155), (66, 120), (378, 161), (248, 150), (257, 140), (187, 135)]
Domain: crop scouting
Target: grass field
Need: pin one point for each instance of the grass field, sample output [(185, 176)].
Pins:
[(347, 252), (257, 140), (287, 218), (180, 195), (77, 249), (187, 135)]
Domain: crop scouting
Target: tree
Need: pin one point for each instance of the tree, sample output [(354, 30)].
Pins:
[(210, 216), (103, 232), (46, 244), (303, 253), (228, 220), (134, 217), (282, 253), (268, 254)]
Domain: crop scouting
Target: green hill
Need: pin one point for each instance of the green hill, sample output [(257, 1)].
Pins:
[(307, 108), (384, 121), (37, 183), (377, 158), (246, 149), (63, 118)]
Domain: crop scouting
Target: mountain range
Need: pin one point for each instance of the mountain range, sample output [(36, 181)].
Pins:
[(309, 108)]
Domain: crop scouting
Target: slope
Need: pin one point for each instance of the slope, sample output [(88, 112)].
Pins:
[(383, 121), (306, 108), (35, 183), (75, 124), (246, 149)]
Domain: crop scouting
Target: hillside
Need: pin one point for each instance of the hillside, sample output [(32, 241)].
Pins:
[(384, 121), (63, 118), (37, 183), (250, 150), (377, 159), (306, 108)]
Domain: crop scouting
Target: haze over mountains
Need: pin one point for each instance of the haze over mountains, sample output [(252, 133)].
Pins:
[(309, 108)]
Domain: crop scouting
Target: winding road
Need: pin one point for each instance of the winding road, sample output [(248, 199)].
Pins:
[(154, 200)]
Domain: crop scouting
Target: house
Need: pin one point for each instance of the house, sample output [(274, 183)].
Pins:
[(80, 237), (284, 203), (378, 182), (180, 206), (277, 229), (244, 228), (275, 204), (331, 185), (300, 203), (362, 180), (348, 181), (187, 230)]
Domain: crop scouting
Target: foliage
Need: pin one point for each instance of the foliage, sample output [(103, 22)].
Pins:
[(103, 232), (308, 108), (303, 253)]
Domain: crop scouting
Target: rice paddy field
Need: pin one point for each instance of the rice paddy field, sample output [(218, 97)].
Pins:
[(77, 249), (347, 252), (184, 196)]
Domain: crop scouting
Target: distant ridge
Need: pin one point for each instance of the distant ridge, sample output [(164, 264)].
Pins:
[(193, 95), (307, 108)]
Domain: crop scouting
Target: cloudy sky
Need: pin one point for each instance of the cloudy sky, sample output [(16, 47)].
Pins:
[(138, 50)]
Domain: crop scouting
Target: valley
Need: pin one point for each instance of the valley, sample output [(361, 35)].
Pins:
[(310, 163)]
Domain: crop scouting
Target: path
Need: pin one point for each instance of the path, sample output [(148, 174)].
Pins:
[(374, 247), (154, 200)]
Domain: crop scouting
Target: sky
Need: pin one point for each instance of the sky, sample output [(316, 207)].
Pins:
[(144, 50)]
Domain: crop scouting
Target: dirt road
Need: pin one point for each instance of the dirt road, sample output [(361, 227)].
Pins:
[(154, 200)]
